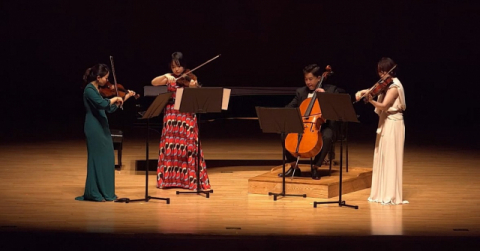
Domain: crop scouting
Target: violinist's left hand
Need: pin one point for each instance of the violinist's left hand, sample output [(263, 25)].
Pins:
[(193, 83), (129, 94), (319, 90), (368, 98)]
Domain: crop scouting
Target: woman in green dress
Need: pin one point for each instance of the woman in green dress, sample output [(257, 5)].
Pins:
[(100, 184)]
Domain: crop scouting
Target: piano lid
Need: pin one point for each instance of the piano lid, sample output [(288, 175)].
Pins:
[(236, 91), (150, 90)]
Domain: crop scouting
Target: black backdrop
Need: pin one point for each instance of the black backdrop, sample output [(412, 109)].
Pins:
[(47, 45)]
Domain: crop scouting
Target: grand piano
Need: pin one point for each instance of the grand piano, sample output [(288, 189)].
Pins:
[(242, 100), (241, 108)]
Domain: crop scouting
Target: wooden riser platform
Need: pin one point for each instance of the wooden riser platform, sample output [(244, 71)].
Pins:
[(356, 179)]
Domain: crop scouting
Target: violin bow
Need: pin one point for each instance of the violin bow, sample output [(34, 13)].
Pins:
[(206, 62), (114, 78)]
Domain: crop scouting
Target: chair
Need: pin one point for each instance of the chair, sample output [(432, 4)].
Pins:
[(341, 136), (117, 138)]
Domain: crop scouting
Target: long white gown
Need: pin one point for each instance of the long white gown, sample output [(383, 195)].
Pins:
[(388, 156)]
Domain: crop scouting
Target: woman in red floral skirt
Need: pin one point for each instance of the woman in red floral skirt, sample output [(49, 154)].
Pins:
[(177, 159)]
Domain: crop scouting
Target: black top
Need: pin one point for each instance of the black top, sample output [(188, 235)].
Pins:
[(302, 93)]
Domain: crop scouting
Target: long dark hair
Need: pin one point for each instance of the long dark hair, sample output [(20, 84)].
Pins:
[(385, 64), (98, 70)]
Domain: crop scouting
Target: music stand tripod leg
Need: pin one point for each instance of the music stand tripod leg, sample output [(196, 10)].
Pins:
[(147, 197), (283, 193), (340, 202)]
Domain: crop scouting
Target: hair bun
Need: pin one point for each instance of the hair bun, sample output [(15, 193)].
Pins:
[(177, 55), (87, 74)]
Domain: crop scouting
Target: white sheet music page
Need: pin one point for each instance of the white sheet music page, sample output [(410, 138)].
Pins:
[(178, 99), (226, 98)]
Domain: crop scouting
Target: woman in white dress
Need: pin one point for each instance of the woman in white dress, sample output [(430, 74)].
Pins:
[(388, 156)]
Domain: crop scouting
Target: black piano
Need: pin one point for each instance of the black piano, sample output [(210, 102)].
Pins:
[(239, 120), (242, 99)]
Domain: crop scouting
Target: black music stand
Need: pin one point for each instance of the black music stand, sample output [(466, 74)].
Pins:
[(282, 121), (337, 107), (153, 111), (200, 100)]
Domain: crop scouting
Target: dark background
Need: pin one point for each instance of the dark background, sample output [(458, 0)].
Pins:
[(47, 46)]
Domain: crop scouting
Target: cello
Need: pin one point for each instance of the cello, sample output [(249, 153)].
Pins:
[(309, 143)]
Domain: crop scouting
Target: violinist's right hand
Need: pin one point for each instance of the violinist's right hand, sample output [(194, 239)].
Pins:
[(169, 78), (116, 100), (359, 94), (163, 79)]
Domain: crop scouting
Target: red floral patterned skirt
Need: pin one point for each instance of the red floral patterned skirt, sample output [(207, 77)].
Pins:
[(177, 159)]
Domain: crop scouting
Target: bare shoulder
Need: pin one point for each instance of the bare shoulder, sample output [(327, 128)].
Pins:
[(393, 90)]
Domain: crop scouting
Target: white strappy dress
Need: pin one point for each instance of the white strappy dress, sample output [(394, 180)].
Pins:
[(388, 156)]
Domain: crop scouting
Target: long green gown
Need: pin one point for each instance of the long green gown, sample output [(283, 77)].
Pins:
[(100, 184)]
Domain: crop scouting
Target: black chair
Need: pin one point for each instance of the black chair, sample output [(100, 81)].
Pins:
[(341, 136), (117, 138)]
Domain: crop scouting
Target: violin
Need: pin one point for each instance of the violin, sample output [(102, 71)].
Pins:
[(108, 91), (185, 78), (116, 89), (379, 87), (309, 143)]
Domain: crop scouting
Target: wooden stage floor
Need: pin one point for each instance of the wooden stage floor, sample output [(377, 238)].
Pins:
[(39, 180)]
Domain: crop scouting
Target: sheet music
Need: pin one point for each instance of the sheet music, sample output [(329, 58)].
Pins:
[(226, 98), (178, 99)]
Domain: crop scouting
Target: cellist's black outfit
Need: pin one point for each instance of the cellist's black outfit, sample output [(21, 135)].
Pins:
[(328, 130)]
